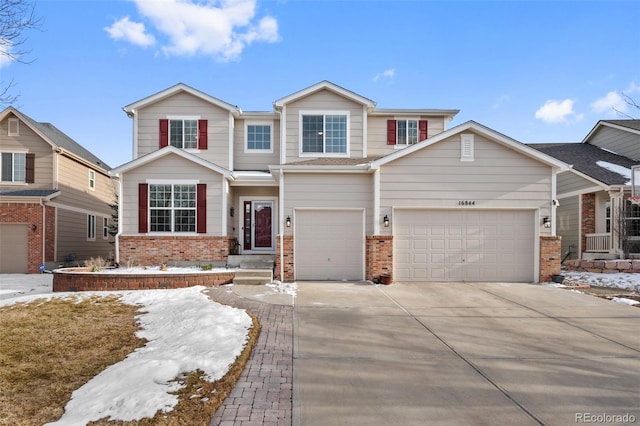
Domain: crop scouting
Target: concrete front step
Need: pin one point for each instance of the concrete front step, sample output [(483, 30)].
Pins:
[(251, 261), (253, 276)]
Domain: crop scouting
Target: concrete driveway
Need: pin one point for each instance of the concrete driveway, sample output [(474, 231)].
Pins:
[(459, 353)]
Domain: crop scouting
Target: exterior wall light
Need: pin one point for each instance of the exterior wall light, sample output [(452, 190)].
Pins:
[(385, 221), (287, 222), (546, 222)]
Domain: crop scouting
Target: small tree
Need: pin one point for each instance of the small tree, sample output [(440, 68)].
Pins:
[(113, 224)]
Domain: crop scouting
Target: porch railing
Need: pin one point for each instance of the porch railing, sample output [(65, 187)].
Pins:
[(598, 243)]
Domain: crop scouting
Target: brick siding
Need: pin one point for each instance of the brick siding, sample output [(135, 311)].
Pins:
[(379, 256), (288, 259), (550, 257), (588, 219), (155, 250)]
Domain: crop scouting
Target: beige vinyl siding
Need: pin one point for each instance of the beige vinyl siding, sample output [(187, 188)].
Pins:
[(568, 225), (377, 132), (73, 182), (172, 168), (434, 177), (323, 100), (319, 191), (184, 104), (71, 235), (570, 182), (255, 160), (28, 141), (619, 141)]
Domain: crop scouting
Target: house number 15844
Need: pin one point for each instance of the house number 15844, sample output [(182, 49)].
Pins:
[(466, 203)]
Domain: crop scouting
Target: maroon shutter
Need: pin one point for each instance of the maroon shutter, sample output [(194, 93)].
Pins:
[(30, 169), (203, 139), (391, 132), (164, 133), (143, 205), (201, 206), (422, 129)]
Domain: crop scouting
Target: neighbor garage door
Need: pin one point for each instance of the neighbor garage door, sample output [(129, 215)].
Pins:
[(441, 245), (329, 245), (13, 248)]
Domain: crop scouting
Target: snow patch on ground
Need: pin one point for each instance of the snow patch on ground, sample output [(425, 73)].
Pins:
[(619, 280)]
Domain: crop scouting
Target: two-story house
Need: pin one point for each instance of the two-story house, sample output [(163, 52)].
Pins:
[(335, 188), (54, 197), (594, 194)]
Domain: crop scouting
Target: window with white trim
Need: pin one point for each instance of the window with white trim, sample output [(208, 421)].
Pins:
[(91, 227), (183, 133), (258, 137), (105, 227), (14, 127), (92, 179), (324, 133), (172, 208), (13, 167), (406, 132)]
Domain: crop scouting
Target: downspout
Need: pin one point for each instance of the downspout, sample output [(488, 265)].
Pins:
[(281, 221), (43, 230), (117, 237)]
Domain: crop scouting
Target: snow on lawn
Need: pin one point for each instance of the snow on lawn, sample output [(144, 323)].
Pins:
[(619, 280), (186, 331)]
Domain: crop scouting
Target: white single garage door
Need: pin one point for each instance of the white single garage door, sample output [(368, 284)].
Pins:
[(13, 248), (329, 244), (454, 245)]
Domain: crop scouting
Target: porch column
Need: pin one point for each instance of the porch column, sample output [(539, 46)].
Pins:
[(587, 219)]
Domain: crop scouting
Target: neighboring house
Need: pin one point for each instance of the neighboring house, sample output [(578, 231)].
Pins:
[(592, 192), (54, 197), (335, 188)]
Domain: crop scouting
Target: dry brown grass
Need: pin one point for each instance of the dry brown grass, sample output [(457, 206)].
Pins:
[(49, 349)]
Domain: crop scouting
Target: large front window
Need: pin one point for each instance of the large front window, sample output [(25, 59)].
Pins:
[(172, 208), (324, 133), (407, 132), (183, 133), (14, 166)]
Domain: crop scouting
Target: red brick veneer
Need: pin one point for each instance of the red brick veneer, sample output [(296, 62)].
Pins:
[(78, 279), (587, 219), (550, 257), (288, 258), (154, 250), (379, 256)]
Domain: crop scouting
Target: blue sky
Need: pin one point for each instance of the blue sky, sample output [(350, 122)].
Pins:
[(536, 71)]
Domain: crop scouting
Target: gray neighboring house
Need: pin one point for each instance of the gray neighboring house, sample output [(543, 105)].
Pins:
[(54, 197), (592, 192), (334, 188)]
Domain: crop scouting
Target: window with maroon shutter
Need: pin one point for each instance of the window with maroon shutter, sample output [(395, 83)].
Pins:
[(203, 136), (30, 170), (422, 128), (143, 203), (201, 205), (164, 132), (391, 132)]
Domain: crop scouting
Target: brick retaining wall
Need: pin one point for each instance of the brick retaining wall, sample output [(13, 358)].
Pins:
[(78, 279), (603, 266)]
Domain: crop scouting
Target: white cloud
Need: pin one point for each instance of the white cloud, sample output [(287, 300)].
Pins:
[(133, 32), (614, 102), (557, 111), (218, 28), (386, 74), (6, 53)]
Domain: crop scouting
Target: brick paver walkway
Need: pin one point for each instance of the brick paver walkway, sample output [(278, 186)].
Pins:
[(263, 394)]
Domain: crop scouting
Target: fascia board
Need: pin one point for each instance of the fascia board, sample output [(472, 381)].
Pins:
[(324, 85), (181, 87), (416, 112), (167, 151), (603, 123)]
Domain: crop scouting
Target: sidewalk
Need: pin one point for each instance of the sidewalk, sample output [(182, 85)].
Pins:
[(263, 394)]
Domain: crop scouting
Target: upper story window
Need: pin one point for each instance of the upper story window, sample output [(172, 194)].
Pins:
[(405, 132), (14, 127), (184, 132), (258, 137), (92, 179), (14, 167), (324, 133)]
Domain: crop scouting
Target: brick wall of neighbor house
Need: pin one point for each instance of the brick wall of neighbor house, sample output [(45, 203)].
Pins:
[(379, 256), (155, 250), (550, 257), (50, 233), (288, 258), (30, 214), (588, 218)]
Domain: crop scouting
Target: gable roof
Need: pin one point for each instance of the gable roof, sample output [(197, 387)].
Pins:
[(169, 150), (481, 130), (632, 126), (324, 85), (597, 163), (178, 88), (56, 138)]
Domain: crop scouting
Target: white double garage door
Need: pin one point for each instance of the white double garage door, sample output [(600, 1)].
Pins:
[(429, 245)]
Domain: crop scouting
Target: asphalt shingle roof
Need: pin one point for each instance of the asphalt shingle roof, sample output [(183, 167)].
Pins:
[(585, 158), (631, 124), (333, 161), (27, 192)]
